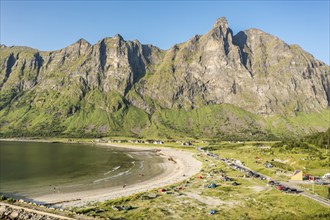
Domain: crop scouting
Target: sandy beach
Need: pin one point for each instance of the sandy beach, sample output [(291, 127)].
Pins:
[(180, 166)]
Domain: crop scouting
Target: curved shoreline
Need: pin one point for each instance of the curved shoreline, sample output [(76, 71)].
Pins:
[(179, 165)]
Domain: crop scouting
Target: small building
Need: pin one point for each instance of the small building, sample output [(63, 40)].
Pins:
[(312, 178), (297, 175)]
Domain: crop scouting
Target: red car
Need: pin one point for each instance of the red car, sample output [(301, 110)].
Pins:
[(280, 187)]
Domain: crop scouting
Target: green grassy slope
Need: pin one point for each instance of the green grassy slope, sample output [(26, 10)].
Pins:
[(79, 112)]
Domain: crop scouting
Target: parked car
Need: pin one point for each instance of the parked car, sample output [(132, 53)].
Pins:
[(292, 190), (280, 187), (271, 182)]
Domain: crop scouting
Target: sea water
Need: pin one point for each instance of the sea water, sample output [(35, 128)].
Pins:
[(31, 169)]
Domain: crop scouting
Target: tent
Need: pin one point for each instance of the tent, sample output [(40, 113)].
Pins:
[(212, 212), (212, 185)]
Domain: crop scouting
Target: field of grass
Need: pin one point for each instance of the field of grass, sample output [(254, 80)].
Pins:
[(255, 154)]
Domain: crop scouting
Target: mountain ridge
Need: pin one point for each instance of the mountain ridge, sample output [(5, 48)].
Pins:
[(119, 87)]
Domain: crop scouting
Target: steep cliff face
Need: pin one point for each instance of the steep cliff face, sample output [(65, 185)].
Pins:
[(286, 78), (198, 72), (115, 65), (252, 70), (211, 85)]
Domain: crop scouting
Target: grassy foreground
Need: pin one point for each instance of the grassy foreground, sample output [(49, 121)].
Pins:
[(250, 199)]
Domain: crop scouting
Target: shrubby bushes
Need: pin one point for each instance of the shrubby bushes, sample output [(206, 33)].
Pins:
[(320, 139)]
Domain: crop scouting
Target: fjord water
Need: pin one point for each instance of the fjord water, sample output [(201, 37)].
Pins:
[(30, 169)]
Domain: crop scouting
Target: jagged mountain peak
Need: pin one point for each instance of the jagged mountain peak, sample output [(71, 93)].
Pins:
[(221, 22), (117, 40), (118, 37), (82, 41), (220, 30)]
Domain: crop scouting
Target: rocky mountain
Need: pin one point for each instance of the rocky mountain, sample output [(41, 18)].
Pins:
[(248, 85)]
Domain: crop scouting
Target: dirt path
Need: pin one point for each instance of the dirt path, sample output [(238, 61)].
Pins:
[(19, 209)]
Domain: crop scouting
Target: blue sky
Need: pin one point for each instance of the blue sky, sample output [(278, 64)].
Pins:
[(50, 25)]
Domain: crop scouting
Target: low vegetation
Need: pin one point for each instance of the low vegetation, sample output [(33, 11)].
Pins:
[(250, 198)]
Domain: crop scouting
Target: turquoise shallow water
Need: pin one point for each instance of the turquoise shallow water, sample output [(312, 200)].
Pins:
[(29, 169)]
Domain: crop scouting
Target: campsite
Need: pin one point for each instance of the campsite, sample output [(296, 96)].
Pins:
[(223, 189)]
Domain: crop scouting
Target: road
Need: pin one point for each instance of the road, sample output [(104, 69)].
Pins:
[(314, 197)]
